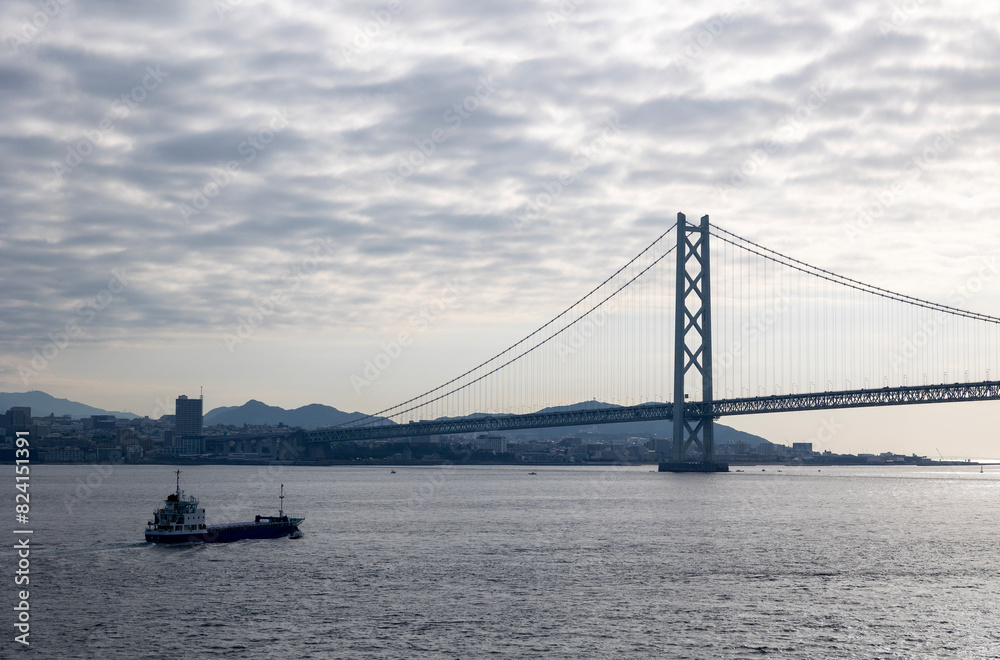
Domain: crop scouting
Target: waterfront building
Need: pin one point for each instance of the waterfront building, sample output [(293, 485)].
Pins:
[(494, 443), (188, 416), (16, 418), (804, 449)]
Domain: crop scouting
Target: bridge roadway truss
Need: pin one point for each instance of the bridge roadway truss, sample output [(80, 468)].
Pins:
[(888, 396)]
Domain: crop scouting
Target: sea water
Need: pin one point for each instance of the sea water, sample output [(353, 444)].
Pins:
[(479, 561)]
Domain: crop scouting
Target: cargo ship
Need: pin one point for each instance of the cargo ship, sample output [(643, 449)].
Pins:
[(180, 520)]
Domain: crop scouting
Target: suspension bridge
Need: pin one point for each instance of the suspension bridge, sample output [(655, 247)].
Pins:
[(727, 327)]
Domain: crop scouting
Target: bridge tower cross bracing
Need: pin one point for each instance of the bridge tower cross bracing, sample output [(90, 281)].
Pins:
[(693, 347)]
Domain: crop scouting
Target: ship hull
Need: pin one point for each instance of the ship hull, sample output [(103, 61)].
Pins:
[(226, 533)]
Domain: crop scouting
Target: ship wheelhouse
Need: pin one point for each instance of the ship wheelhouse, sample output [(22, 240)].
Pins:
[(178, 515)]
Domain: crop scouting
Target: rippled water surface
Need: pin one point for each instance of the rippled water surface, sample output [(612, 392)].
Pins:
[(469, 562)]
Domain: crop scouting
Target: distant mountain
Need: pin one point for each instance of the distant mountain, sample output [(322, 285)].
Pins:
[(43, 405), (312, 416)]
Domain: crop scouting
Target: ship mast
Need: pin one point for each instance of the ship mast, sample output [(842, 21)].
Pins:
[(178, 484), (281, 502)]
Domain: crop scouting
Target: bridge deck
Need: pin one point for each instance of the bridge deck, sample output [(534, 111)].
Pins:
[(888, 396)]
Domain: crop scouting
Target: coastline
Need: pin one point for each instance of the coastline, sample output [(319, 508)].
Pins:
[(849, 461)]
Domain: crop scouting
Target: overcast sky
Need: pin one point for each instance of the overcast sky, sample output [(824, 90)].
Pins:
[(165, 167)]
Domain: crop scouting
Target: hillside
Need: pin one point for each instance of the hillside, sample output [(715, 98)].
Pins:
[(43, 405), (311, 416)]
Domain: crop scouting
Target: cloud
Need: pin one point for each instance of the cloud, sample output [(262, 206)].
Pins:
[(516, 98)]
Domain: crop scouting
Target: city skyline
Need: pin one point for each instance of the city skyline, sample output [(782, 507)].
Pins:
[(462, 174)]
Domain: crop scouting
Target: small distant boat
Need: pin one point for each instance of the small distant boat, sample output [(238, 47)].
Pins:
[(392, 472), (532, 473), (180, 520)]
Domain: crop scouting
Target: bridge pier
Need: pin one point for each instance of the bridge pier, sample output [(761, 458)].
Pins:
[(693, 286)]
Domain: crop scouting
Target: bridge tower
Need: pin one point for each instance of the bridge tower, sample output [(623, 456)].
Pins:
[(693, 347)]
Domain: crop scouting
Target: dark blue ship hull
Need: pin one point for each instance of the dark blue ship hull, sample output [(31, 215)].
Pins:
[(228, 533)]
